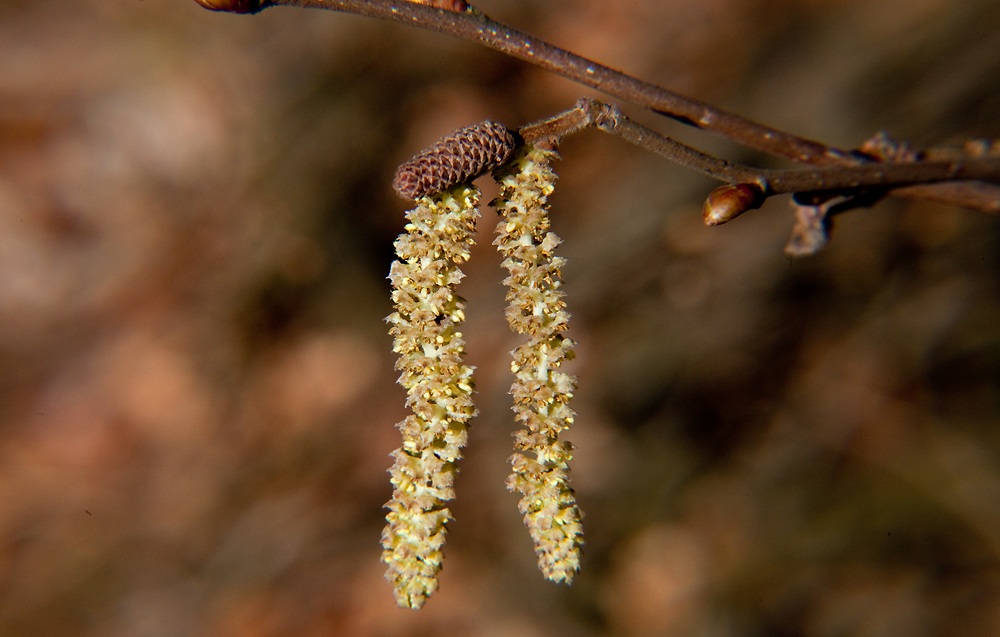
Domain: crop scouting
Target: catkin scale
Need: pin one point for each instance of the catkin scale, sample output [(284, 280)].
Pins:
[(458, 158)]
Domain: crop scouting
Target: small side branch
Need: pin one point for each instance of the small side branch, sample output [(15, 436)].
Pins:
[(884, 175)]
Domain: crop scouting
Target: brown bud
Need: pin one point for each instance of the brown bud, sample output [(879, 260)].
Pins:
[(447, 5), (232, 6), (725, 203), (459, 157)]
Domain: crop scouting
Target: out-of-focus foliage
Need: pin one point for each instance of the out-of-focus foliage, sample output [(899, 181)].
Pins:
[(197, 396)]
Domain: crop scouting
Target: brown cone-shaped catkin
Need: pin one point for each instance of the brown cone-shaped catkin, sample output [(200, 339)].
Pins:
[(458, 158)]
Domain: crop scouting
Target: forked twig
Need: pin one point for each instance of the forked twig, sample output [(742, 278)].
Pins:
[(610, 119)]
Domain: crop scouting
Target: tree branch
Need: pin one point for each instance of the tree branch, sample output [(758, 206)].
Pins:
[(610, 119), (475, 26), (470, 24)]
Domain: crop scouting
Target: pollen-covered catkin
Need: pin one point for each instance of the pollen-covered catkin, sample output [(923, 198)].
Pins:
[(541, 392), (439, 386)]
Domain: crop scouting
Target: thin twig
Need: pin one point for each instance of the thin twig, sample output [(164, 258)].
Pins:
[(475, 26), (610, 119), (974, 195)]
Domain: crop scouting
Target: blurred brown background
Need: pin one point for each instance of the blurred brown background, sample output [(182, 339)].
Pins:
[(197, 393)]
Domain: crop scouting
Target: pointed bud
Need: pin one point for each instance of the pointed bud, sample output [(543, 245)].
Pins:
[(725, 203)]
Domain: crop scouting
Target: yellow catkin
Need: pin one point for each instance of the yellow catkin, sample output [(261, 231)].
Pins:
[(439, 387), (541, 392)]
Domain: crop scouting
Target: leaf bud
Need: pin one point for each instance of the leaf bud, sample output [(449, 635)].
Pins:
[(725, 203)]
